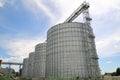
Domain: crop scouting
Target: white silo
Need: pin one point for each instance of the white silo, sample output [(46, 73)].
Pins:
[(71, 51), (25, 68), (31, 65), (40, 60)]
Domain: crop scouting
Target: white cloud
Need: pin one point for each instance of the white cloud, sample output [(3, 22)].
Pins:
[(36, 6), (109, 62), (109, 45), (101, 7), (1, 4), (97, 8), (66, 7), (20, 47), (12, 59), (44, 9)]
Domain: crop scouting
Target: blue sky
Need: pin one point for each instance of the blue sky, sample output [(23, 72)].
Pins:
[(24, 23)]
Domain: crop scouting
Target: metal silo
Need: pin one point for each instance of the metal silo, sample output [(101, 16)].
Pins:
[(71, 51), (40, 60), (31, 65), (25, 68)]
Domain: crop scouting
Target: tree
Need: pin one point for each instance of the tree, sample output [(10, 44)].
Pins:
[(20, 72), (17, 74), (13, 71), (113, 74), (117, 71)]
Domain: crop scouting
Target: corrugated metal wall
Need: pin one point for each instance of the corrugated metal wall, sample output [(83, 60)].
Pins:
[(31, 65), (71, 51), (25, 68), (40, 60)]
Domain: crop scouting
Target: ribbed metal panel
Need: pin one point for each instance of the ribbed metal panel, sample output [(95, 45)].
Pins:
[(40, 60), (71, 51), (31, 65), (25, 68)]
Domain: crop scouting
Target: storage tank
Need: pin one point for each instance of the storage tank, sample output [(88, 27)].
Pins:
[(40, 60), (71, 51), (25, 68), (31, 65)]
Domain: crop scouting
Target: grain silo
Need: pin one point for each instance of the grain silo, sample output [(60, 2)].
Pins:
[(31, 65), (25, 68), (71, 51), (40, 60)]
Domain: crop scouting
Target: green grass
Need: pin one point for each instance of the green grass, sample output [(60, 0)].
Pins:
[(25, 79), (9, 78), (72, 79), (6, 78)]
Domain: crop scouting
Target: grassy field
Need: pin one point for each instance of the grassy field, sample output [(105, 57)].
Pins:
[(24, 79), (72, 79), (6, 78), (9, 78)]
